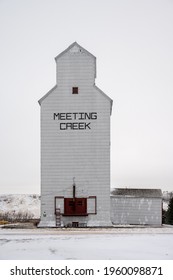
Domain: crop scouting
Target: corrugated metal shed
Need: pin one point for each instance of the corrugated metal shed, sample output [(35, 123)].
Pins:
[(136, 206), (137, 192)]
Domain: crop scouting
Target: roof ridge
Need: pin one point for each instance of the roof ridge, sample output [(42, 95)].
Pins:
[(70, 47)]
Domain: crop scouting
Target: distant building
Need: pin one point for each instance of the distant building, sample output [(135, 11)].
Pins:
[(136, 206), (75, 145)]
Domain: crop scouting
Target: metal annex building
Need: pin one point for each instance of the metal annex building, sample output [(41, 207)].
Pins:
[(75, 145), (136, 206)]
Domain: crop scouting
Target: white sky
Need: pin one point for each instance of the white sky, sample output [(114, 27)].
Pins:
[(133, 43)]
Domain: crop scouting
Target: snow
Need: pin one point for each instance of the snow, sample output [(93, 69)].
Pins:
[(165, 205), (87, 244), (13, 204)]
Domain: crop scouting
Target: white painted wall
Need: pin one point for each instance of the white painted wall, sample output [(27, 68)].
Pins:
[(83, 154)]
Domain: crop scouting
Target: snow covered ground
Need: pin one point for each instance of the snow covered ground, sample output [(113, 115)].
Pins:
[(108, 244)]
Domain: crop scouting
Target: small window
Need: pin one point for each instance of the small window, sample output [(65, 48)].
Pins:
[(75, 90)]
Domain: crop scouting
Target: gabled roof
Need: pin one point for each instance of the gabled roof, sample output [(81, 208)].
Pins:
[(105, 95), (128, 192), (50, 91), (74, 46)]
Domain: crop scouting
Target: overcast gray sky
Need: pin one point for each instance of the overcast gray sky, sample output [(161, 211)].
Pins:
[(133, 43)]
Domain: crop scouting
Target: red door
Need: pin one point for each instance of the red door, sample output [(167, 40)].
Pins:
[(75, 207)]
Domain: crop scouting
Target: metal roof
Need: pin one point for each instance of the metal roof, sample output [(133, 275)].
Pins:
[(75, 44), (136, 192)]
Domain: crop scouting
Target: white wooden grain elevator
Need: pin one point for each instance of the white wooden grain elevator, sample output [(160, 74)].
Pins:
[(75, 145)]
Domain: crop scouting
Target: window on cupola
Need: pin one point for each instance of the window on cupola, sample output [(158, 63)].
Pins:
[(75, 90)]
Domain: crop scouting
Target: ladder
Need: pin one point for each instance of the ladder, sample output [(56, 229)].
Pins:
[(58, 217)]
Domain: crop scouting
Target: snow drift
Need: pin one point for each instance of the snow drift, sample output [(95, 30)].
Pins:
[(19, 206)]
